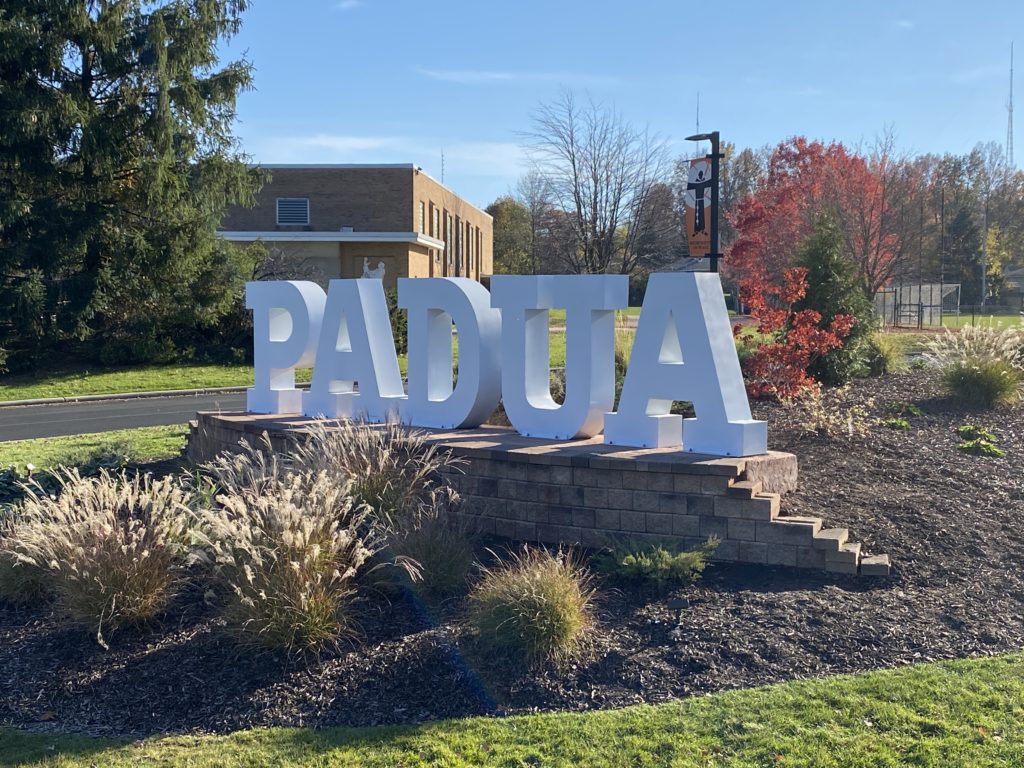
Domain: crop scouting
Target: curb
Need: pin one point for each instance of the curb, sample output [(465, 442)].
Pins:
[(124, 396)]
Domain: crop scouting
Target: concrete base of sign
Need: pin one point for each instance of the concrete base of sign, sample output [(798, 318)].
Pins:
[(585, 492)]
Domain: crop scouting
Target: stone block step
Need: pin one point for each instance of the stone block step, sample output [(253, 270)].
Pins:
[(831, 539), (745, 489), (847, 553), (875, 565), (764, 507), (797, 531), (835, 566)]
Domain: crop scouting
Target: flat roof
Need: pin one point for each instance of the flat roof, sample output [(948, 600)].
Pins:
[(410, 166), (320, 236)]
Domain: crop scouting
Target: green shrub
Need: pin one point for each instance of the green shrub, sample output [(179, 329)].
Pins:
[(536, 605), (981, 367), (978, 441), (895, 422), (903, 408), (980, 447), (442, 553), (827, 418), (112, 548), (884, 353), (974, 432), (656, 565), (833, 289), (112, 456)]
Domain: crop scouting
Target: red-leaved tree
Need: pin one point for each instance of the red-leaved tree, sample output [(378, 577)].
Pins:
[(778, 367), (804, 180)]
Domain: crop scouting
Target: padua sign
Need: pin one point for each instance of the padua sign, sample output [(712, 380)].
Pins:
[(683, 350)]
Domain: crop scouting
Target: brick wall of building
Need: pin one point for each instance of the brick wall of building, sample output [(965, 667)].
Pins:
[(434, 196), (366, 199)]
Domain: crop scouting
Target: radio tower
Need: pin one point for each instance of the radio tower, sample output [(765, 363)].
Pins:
[(1009, 117)]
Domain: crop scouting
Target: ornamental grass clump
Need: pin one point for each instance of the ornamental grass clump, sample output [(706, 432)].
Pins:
[(536, 605), (390, 468), (20, 581), (885, 353), (287, 544), (112, 549), (981, 367), (288, 554), (443, 552)]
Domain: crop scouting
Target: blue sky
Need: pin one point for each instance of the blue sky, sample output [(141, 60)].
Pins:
[(389, 81)]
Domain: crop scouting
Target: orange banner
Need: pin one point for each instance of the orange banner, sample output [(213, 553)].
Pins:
[(697, 201)]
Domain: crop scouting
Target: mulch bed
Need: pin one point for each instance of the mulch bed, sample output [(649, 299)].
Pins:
[(951, 522)]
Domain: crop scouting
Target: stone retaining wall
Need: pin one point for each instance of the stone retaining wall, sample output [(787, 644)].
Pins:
[(593, 494)]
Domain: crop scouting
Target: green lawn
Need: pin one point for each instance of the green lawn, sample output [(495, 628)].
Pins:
[(959, 321), (557, 316), (143, 444), (964, 713), (147, 378)]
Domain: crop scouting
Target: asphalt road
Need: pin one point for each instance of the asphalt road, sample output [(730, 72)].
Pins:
[(24, 422)]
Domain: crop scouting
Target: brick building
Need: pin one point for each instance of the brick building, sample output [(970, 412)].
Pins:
[(342, 219)]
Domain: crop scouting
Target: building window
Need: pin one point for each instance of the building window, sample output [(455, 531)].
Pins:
[(436, 232), (423, 218), (293, 210), (458, 246), (449, 243)]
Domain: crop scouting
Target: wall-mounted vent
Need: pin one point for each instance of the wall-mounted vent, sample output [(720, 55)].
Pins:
[(293, 210)]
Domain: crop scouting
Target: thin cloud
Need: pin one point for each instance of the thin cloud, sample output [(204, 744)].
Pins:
[(347, 5), (483, 76), (484, 158), (466, 76), (343, 144), (902, 24), (462, 158), (322, 148)]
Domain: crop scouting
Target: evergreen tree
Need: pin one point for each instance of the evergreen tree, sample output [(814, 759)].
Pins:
[(833, 289), (963, 255), (117, 161)]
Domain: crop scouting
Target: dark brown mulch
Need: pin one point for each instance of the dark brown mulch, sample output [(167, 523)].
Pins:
[(951, 522)]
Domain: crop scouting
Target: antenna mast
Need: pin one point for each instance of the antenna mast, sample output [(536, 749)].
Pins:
[(1009, 117), (697, 143)]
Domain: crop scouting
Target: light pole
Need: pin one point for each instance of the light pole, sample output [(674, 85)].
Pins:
[(714, 157)]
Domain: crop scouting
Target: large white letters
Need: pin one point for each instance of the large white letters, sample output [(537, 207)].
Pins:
[(356, 346), (590, 302), (684, 350), (286, 319), (433, 306)]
